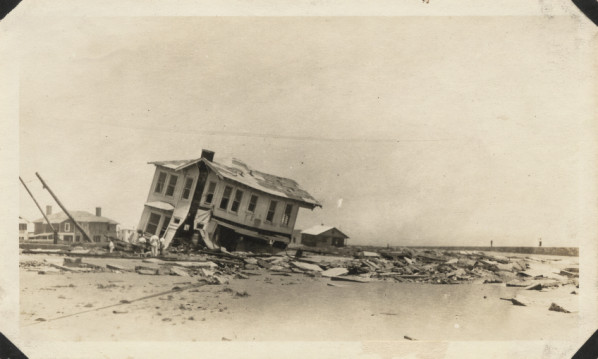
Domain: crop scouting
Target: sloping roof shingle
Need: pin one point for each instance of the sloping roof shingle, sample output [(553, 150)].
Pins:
[(240, 172)]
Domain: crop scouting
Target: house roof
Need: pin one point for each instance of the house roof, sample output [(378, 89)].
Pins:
[(237, 171), (79, 216), (319, 229)]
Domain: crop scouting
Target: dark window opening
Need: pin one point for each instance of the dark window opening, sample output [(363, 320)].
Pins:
[(187, 189), (164, 226), (252, 203), (210, 193), (286, 217), (237, 201), (97, 239), (152, 223), (161, 180), (271, 211), (225, 197), (171, 185)]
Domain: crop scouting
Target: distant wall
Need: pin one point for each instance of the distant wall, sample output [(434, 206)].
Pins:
[(555, 251)]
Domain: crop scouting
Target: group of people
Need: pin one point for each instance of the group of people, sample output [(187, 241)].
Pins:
[(155, 244)]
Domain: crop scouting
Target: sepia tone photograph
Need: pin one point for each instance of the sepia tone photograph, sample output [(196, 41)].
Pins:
[(303, 179)]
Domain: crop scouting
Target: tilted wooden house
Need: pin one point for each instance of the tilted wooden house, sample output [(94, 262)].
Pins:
[(224, 205)]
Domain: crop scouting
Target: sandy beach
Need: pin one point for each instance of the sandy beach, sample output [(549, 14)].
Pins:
[(269, 306)]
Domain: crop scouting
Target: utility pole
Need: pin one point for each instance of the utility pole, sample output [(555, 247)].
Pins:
[(85, 235), (40, 209)]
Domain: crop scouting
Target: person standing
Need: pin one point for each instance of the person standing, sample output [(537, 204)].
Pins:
[(154, 242), (111, 246), (142, 243), (162, 241)]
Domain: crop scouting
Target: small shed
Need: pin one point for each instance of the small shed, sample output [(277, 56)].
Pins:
[(323, 236)]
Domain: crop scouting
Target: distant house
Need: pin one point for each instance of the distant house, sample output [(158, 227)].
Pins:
[(24, 228), (96, 226), (323, 236), (223, 205)]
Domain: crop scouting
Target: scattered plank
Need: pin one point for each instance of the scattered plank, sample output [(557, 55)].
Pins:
[(351, 279), (335, 272), (557, 308), (179, 271), (306, 266)]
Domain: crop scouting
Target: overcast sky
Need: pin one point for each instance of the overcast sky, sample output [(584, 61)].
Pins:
[(434, 131)]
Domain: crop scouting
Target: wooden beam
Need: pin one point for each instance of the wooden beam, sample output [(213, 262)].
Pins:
[(85, 235), (41, 210)]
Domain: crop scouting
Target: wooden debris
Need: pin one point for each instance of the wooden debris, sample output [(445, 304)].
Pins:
[(306, 266), (557, 308), (334, 272), (515, 301), (117, 267), (351, 278), (179, 271)]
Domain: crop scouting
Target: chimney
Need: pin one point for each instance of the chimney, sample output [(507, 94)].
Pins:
[(99, 211), (48, 210), (208, 155)]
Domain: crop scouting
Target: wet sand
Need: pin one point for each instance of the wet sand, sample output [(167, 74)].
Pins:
[(298, 307)]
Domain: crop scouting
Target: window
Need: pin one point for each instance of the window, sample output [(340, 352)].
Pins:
[(252, 203), (161, 180), (237, 201), (97, 239), (287, 214), (210, 193), (152, 223), (164, 226), (67, 227), (271, 211), (187, 189), (225, 197), (171, 185), (78, 238), (68, 238), (22, 226)]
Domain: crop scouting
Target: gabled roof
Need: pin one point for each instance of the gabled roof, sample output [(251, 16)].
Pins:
[(319, 229), (239, 172), (79, 216)]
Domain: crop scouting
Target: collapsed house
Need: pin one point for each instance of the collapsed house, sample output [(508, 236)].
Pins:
[(221, 206), (323, 236)]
